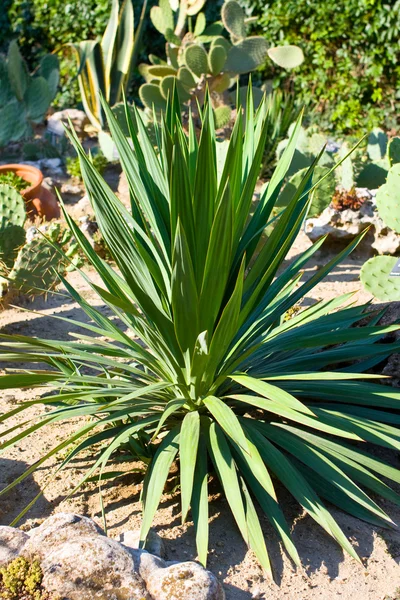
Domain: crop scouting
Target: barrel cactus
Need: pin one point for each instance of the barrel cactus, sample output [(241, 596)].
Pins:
[(24, 98), (377, 275), (203, 57)]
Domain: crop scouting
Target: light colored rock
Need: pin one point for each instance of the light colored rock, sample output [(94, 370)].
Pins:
[(154, 543), (57, 530), (92, 568), (345, 225), (78, 118), (146, 563), (184, 581), (12, 541), (75, 189)]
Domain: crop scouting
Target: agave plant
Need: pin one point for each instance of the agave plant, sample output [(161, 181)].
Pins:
[(203, 367), (106, 66)]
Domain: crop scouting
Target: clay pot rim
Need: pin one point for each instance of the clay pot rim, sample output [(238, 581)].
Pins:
[(22, 170)]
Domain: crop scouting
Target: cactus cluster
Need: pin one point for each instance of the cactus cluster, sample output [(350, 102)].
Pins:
[(203, 57), (30, 266), (376, 273), (24, 98)]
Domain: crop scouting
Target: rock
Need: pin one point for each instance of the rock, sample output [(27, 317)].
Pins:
[(12, 542), (78, 118), (59, 529), (154, 543), (74, 189), (345, 225), (146, 563), (184, 581), (92, 568)]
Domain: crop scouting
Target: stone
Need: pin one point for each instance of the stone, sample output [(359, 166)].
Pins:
[(345, 225), (74, 189), (92, 568), (145, 563), (56, 120), (184, 581), (12, 541), (154, 543), (57, 530)]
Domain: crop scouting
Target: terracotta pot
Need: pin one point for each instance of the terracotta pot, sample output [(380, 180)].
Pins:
[(39, 200)]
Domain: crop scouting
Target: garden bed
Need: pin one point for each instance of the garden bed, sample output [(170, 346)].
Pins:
[(330, 573)]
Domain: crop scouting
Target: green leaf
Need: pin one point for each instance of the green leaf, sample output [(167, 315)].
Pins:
[(227, 419), (157, 476), (188, 445)]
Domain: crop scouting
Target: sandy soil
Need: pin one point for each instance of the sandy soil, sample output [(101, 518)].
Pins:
[(328, 574)]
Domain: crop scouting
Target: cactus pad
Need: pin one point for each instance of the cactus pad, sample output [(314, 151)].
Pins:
[(194, 6), (200, 24), (185, 76), (394, 151), (373, 175), (12, 207), (12, 238), (17, 71), (388, 199), (37, 99), (222, 116), (162, 17), (150, 94), (287, 57), (196, 59), (35, 267), (377, 143), (216, 59), (247, 55), (233, 18), (375, 277), (159, 71)]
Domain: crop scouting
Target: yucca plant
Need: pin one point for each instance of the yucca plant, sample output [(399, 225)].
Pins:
[(105, 67), (203, 367)]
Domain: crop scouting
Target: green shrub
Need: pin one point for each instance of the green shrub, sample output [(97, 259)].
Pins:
[(352, 66), (198, 362)]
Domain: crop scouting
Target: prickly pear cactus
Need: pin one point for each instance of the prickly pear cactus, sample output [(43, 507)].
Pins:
[(203, 57), (377, 279), (376, 273), (388, 199), (38, 263), (24, 99), (12, 219)]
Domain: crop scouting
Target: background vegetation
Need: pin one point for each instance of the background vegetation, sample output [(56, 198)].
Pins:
[(350, 79)]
